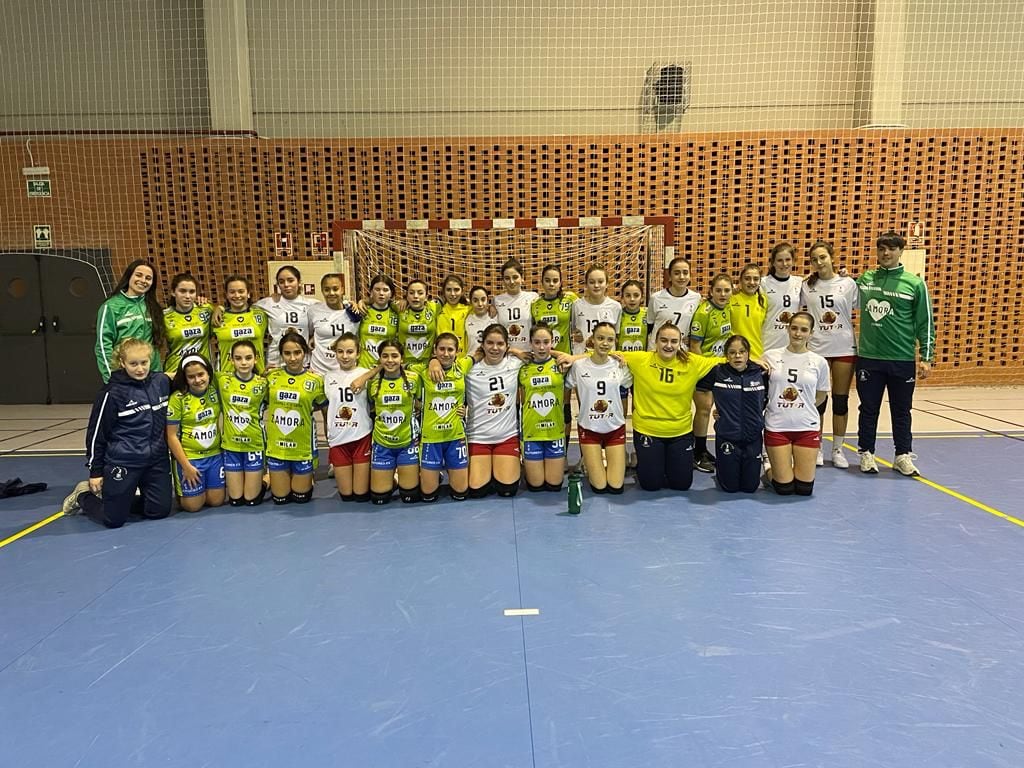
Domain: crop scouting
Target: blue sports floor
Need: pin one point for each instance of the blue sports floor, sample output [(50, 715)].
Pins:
[(878, 623)]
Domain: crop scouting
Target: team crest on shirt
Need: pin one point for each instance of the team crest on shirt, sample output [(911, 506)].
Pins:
[(118, 473)]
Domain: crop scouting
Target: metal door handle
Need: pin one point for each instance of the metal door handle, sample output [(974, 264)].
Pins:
[(56, 323)]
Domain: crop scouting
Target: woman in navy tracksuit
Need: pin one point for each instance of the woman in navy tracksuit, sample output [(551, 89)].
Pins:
[(126, 444), (740, 391)]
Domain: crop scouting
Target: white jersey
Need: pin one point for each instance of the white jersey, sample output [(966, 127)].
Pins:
[(663, 308), (783, 298), (492, 394), (284, 314), (327, 325), (831, 303), (475, 327), (795, 381), (348, 413), (597, 387), (586, 316), (514, 314)]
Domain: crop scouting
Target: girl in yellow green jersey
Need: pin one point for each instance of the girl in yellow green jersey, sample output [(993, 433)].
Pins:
[(709, 330), (451, 317), (193, 435), (417, 323), (240, 320), (243, 396), (293, 394), (186, 323), (542, 389), (380, 320)]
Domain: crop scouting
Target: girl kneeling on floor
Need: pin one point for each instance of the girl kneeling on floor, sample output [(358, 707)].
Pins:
[(243, 397), (126, 443), (193, 436)]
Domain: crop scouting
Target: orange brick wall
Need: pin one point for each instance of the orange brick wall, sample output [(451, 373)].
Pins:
[(212, 206)]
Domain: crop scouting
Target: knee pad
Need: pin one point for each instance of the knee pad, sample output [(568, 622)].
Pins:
[(598, 490), (279, 500), (507, 490), (479, 493), (380, 498), (301, 498), (821, 408), (429, 498), (784, 489), (361, 498), (803, 488), (237, 502), (840, 405), (410, 495), (345, 496), (530, 488), (614, 490), (457, 495), (552, 487)]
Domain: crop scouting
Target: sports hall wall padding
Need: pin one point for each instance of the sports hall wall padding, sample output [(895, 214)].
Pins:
[(212, 206)]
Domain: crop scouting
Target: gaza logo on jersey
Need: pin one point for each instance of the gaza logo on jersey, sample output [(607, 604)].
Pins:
[(542, 404), (879, 310), (287, 421)]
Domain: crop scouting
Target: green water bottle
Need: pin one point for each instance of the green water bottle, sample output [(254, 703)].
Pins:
[(575, 493)]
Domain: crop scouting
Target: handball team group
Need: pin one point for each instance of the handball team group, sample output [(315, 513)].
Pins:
[(469, 394)]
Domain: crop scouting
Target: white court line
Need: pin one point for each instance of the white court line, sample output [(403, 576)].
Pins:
[(522, 611)]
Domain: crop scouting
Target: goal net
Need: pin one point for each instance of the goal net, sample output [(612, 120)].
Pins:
[(628, 247)]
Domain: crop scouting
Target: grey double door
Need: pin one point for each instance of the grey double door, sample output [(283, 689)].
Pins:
[(48, 307)]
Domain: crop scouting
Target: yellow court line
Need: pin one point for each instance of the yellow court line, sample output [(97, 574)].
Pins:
[(27, 531), (949, 491)]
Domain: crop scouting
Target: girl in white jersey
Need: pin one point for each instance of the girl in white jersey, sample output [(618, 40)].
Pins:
[(831, 299), (349, 422), (328, 320), (797, 385), (287, 311), (593, 308), (514, 305), (492, 394), (478, 319), (674, 304), (781, 289), (598, 380)]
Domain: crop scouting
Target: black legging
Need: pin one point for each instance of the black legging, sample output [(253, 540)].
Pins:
[(664, 462)]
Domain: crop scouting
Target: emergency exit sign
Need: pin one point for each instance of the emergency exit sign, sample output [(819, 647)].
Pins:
[(38, 187)]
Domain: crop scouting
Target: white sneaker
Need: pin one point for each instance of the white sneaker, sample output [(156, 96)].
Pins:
[(820, 461), (839, 459), (867, 462), (71, 505), (904, 464)]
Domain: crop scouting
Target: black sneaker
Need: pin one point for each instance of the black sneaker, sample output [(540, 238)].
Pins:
[(705, 462)]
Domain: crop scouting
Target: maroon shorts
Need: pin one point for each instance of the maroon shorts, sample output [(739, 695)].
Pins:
[(851, 359), (508, 447), (604, 439), (356, 452), (809, 439)]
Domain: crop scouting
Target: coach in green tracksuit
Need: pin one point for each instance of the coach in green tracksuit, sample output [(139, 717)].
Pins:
[(897, 345), (129, 314)]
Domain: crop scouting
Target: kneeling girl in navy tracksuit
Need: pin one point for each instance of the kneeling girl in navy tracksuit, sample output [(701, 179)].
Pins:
[(740, 392), (126, 443)]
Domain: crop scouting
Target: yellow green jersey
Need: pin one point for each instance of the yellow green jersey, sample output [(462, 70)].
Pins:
[(417, 329), (188, 333), (376, 326), (710, 327), (291, 400), (197, 418), (441, 399), (556, 313), (251, 325), (663, 391), (243, 404), (394, 405), (632, 330), (747, 314), (542, 386)]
